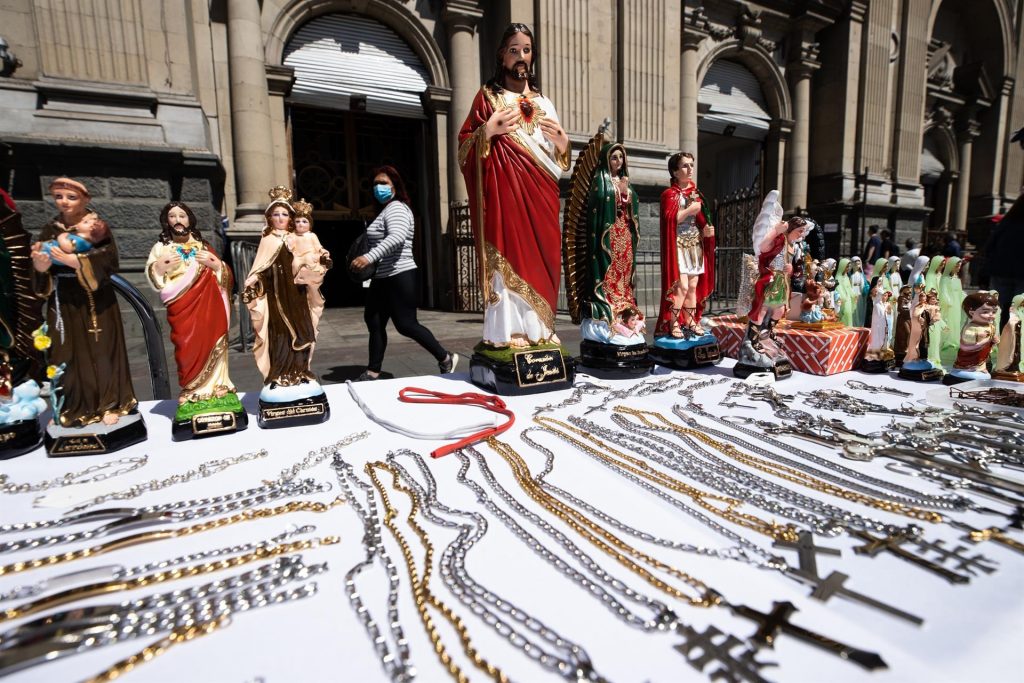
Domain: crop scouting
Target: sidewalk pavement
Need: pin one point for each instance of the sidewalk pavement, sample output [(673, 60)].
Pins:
[(341, 350)]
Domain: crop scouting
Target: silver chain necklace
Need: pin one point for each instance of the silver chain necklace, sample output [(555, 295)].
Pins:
[(99, 472), (854, 479), (744, 550), (397, 666), (572, 664), (115, 572), (84, 629), (823, 518), (604, 585), (182, 511)]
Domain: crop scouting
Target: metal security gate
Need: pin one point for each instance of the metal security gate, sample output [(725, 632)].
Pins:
[(466, 295), (734, 221)]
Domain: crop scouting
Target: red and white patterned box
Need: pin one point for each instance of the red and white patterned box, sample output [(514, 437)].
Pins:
[(818, 352)]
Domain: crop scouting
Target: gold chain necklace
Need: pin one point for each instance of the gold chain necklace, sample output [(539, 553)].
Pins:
[(785, 472), (421, 592), (625, 554), (150, 536), (642, 468), (182, 634)]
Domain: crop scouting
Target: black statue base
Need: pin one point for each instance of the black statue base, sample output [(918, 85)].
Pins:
[(298, 413), (686, 357), (949, 379), (18, 438), (96, 439), (920, 375), (209, 424), (781, 369), (529, 372), (614, 361), (877, 367)]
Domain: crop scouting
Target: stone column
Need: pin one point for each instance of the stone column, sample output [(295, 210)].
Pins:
[(280, 80), (461, 19), (779, 132), (251, 131), (797, 165), (966, 134), (689, 89)]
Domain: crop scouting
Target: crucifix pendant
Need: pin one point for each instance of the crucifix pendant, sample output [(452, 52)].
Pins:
[(771, 624), (996, 535), (891, 544), (714, 648), (834, 584), (95, 331)]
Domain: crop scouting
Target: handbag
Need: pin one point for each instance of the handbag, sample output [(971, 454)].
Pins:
[(359, 247)]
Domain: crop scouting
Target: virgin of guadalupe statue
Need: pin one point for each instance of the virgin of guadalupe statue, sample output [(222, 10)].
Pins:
[(195, 287), (600, 277), (283, 325), (96, 409), (951, 297), (844, 288), (861, 287)]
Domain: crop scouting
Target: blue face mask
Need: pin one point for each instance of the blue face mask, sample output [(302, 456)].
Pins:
[(383, 192)]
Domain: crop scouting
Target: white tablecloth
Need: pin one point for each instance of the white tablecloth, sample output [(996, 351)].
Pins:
[(971, 633)]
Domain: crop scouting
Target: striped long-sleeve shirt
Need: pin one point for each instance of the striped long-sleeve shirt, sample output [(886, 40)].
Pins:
[(389, 238)]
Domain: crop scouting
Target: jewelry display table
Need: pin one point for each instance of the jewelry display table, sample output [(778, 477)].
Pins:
[(971, 632)]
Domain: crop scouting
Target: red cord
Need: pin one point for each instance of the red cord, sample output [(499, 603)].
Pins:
[(486, 401)]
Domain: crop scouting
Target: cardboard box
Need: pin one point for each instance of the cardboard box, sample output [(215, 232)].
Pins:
[(818, 352)]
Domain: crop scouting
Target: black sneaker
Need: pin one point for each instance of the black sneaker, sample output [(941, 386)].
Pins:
[(448, 364), (366, 377)]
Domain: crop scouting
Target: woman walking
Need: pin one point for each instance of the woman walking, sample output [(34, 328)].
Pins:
[(393, 291)]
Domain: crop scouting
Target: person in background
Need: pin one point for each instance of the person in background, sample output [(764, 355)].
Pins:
[(888, 248), (394, 292), (871, 250), (1002, 257), (951, 247), (913, 250)]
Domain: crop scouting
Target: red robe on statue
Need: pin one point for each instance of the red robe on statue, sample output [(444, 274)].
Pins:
[(670, 199), (198, 321), (765, 274), (513, 197)]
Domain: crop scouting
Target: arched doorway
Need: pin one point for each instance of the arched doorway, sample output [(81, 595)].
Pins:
[(732, 131), (356, 104), (938, 178)]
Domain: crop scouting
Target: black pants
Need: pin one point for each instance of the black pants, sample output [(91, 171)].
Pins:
[(394, 298)]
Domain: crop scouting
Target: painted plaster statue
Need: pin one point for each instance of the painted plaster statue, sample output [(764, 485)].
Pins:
[(774, 242), (844, 293), (311, 261), (951, 298), (879, 356), (687, 270), (512, 151), (283, 324), (860, 286), (977, 339), (901, 336), (921, 362), (97, 409), (20, 316), (195, 286), (600, 244), (1009, 363), (831, 284)]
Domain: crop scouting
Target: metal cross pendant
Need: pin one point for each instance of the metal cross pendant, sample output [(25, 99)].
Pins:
[(994, 534), (713, 646), (967, 564), (824, 588), (776, 621), (95, 331), (892, 544)]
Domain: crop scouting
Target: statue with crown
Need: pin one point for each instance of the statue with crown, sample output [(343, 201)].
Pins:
[(285, 315)]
